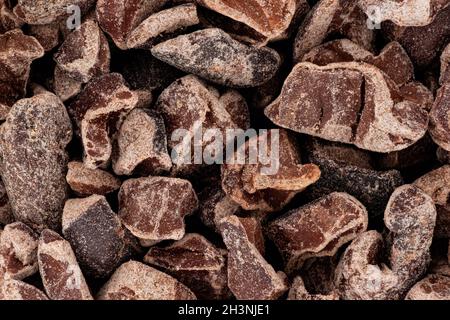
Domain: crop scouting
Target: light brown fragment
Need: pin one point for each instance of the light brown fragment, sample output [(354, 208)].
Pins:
[(48, 35), (433, 287), (64, 86), (439, 118), (18, 290), (436, 184)]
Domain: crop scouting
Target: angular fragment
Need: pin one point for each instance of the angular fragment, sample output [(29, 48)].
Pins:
[(32, 143), (85, 53), (136, 281), (269, 182), (45, 12), (269, 17), (299, 292), (358, 105), (8, 20), (410, 217), (119, 18), (433, 287), (154, 208), (6, 215), (18, 290), (433, 38), (196, 263), (404, 13), (18, 251), (97, 236), (361, 276), (48, 35), (215, 205), (64, 86), (254, 231), (60, 273), (445, 70), (99, 111), (17, 52), (85, 181), (250, 277), (436, 184), (440, 117), (161, 25), (215, 56), (347, 169), (142, 145), (318, 229), (189, 105), (332, 17)]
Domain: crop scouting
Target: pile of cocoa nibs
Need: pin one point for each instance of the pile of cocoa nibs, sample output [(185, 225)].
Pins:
[(120, 179)]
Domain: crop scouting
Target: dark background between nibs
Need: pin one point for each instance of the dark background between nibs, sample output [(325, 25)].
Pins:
[(142, 71)]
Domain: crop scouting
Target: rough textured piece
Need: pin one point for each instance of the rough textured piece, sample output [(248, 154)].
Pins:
[(271, 18), (85, 53), (445, 70), (99, 111), (254, 231), (136, 281), (45, 12), (85, 181), (440, 117), (250, 277), (17, 52), (436, 184), (196, 263), (18, 290), (299, 292), (97, 236), (433, 287), (18, 251), (254, 189), (142, 145), (347, 169), (331, 17), (48, 35), (384, 121), (154, 208), (61, 275), (404, 13), (32, 143), (64, 86), (215, 56), (162, 24), (119, 18), (6, 215), (318, 229), (8, 20)]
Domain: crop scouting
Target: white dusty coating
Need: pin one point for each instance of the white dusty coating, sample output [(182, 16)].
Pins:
[(382, 117), (141, 140), (64, 86), (47, 35), (433, 287), (85, 181), (250, 276), (445, 61), (162, 23), (154, 208), (271, 18), (136, 281), (18, 251), (58, 266), (215, 56), (436, 184), (405, 13), (440, 117), (18, 290), (75, 208)]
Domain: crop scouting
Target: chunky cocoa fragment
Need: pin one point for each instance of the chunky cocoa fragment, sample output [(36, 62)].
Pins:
[(34, 159), (436, 184), (18, 252), (196, 263), (97, 236), (141, 145), (18, 290), (215, 56), (333, 17), (439, 118), (250, 277), (59, 269), (85, 182), (253, 229), (345, 168), (85, 53), (445, 61), (99, 111), (48, 35), (119, 18), (433, 287), (318, 229), (8, 20), (136, 281), (17, 52), (359, 105), (64, 86), (271, 18), (271, 181), (154, 208), (299, 292), (163, 24)]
